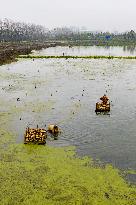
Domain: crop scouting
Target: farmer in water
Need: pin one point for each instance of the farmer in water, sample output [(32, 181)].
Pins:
[(104, 99)]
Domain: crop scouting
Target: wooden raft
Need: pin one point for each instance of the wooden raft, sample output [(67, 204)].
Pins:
[(100, 107), (33, 135)]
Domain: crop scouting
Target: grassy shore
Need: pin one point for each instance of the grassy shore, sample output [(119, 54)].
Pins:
[(77, 57)]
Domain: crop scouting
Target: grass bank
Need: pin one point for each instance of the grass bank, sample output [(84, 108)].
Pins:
[(77, 57), (37, 175)]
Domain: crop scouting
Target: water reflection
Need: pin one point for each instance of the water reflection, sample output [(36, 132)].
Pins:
[(89, 50), (131, 49), (103, 113)]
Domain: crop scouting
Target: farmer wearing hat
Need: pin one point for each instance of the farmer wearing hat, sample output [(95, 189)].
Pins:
[(104, 99)]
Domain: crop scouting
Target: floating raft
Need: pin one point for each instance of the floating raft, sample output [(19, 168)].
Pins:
[(37, 136), (102, 108)]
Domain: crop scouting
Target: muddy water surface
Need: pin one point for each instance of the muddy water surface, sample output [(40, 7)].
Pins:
[(65, 92)]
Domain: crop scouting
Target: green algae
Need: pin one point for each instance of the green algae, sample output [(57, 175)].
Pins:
[(32, 174), (130, 171), (77, 57)]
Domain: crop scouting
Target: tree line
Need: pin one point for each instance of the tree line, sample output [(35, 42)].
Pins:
[(11, 31)]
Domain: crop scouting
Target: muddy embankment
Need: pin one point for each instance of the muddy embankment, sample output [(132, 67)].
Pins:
[(10, 51)]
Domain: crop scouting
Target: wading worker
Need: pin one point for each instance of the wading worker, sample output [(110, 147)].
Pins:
[(104, 99)]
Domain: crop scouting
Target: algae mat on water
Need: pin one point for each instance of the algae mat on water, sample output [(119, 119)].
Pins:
[(77, 57), (39, 175)]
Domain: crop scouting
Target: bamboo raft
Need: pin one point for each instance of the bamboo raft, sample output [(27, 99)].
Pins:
[(100, 107), (37, 136)]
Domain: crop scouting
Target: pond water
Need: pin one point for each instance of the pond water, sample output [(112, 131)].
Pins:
[(89, 50), (66, 93)]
